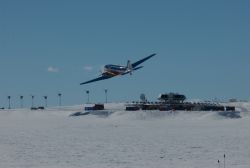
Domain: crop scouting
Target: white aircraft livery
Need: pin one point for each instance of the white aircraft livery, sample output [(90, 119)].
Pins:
[(115, 70)]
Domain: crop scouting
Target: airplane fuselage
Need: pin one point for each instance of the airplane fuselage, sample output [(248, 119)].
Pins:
[(114, 70)]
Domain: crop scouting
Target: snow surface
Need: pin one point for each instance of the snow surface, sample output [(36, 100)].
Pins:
[(140, 139)]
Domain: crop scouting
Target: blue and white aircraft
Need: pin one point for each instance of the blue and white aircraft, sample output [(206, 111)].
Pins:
[(115, 70)]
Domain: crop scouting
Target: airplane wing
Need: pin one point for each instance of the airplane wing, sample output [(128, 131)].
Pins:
[(142, 60), (97, 79)]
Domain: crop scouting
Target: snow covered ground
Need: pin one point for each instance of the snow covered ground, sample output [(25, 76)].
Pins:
[(152, 139)]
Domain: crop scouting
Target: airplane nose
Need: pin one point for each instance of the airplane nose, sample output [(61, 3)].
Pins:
[(105, 67)]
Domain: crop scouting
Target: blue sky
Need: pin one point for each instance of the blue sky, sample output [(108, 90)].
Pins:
[(48, 47)]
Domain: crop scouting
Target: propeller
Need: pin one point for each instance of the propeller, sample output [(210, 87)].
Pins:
[(101, 70), (129, 67)]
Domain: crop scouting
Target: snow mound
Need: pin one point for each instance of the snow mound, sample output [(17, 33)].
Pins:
[(161, 115)]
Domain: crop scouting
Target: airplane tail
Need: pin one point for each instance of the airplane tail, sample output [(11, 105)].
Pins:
[(129, 67)]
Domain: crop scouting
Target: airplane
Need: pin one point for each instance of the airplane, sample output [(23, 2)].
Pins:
[(111, 71)]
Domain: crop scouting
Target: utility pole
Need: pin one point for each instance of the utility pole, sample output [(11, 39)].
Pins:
[(21, 101), (45, 98), (60, 99), (87, 91), (9, 97), (224, 160), (106, 95), (32, 100)]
